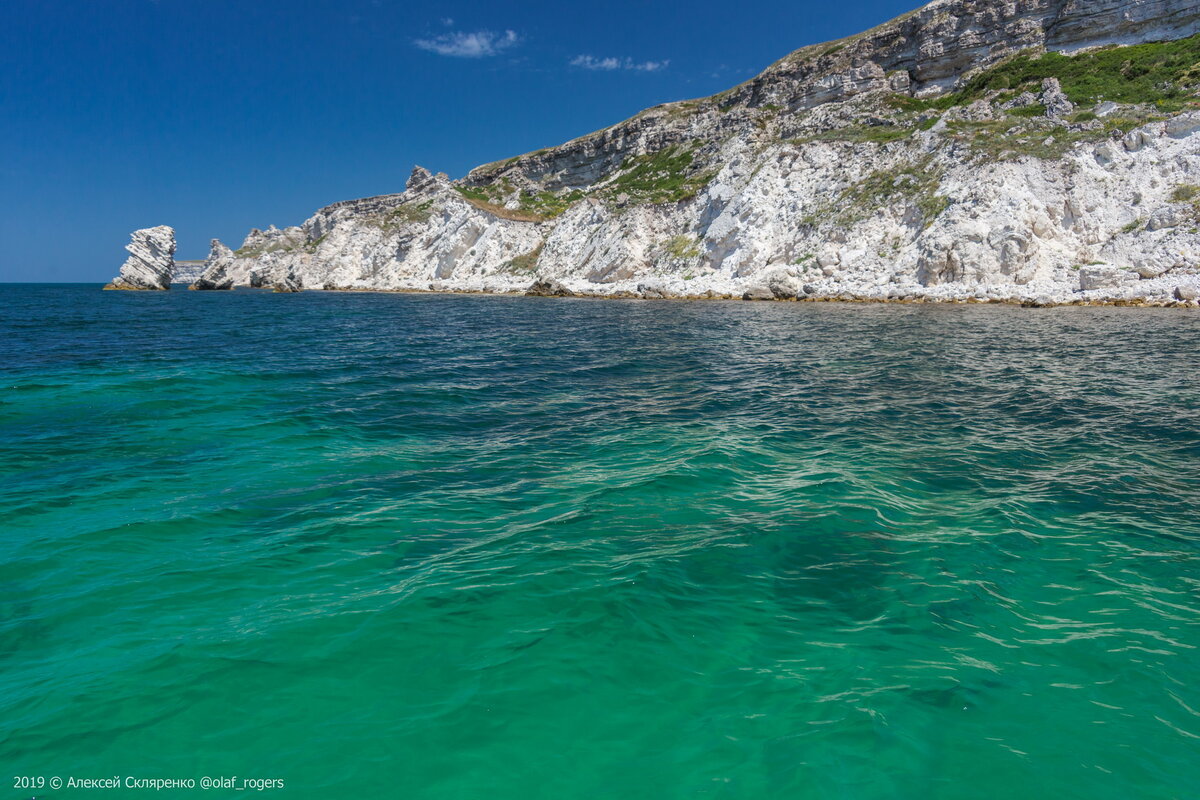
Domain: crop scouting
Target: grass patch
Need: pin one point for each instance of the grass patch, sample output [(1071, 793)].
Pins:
[(914, 183), (532, 206), (681, 247), (1161, 73), (1185, 193), (1029, 112), (1014, 137), (525, 263), (858, 134), (666, 176), (407, 214), (488, 193), (549, 205)]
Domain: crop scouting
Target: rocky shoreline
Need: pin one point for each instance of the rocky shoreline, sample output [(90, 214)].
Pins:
[(844, 298)]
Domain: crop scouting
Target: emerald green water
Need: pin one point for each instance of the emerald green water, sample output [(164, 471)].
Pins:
[(471, 547)]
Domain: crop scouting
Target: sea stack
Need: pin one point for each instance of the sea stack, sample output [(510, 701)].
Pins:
[(151, 260), (216, 268)]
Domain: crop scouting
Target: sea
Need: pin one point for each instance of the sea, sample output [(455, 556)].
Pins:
[(417, 546)]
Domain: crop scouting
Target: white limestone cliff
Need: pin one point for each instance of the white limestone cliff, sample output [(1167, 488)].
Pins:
[(151, 260), (825, 177)]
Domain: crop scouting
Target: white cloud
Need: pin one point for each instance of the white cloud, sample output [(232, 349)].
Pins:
[(610, 63), (460, 44)]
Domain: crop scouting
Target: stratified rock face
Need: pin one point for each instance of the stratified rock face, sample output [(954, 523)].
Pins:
[(829, 175), (217, 269), (151, 260)]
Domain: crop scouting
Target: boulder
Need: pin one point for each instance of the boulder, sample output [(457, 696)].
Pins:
[(1183, 125), (1023, 100), (1104, 276), (1169, 217), (1135, 141), (548, 288), (785, 287), (1151, 271), (1187, 292), (759, 293), (151, 260)]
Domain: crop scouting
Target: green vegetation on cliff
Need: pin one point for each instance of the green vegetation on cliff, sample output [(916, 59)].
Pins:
[(665, 176), (1163, 73)]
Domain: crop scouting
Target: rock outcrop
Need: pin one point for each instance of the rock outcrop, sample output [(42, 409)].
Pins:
[(218, 271), (151, 260), (549, 288), (946, 155)]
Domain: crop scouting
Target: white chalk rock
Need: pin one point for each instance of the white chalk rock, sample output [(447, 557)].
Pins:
[(151, 260)]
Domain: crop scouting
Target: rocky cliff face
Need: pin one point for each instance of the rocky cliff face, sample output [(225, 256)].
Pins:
[(1031, 150), (151, 260)]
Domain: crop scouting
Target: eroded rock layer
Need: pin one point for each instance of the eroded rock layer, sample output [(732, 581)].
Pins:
[(151, 260)]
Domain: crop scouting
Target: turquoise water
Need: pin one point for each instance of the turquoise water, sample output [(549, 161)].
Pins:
[(480, 547)]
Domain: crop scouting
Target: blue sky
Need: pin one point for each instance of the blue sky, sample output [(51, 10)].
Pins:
[(216, 116)]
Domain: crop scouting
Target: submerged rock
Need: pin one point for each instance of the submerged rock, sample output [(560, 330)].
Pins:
[(151, 260)]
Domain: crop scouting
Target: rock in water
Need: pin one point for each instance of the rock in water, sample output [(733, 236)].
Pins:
[(151, 260), (759, 293), (288, 283), (216, 271), (548, 288)]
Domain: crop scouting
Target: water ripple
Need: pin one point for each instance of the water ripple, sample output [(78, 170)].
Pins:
[(475, 546)]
